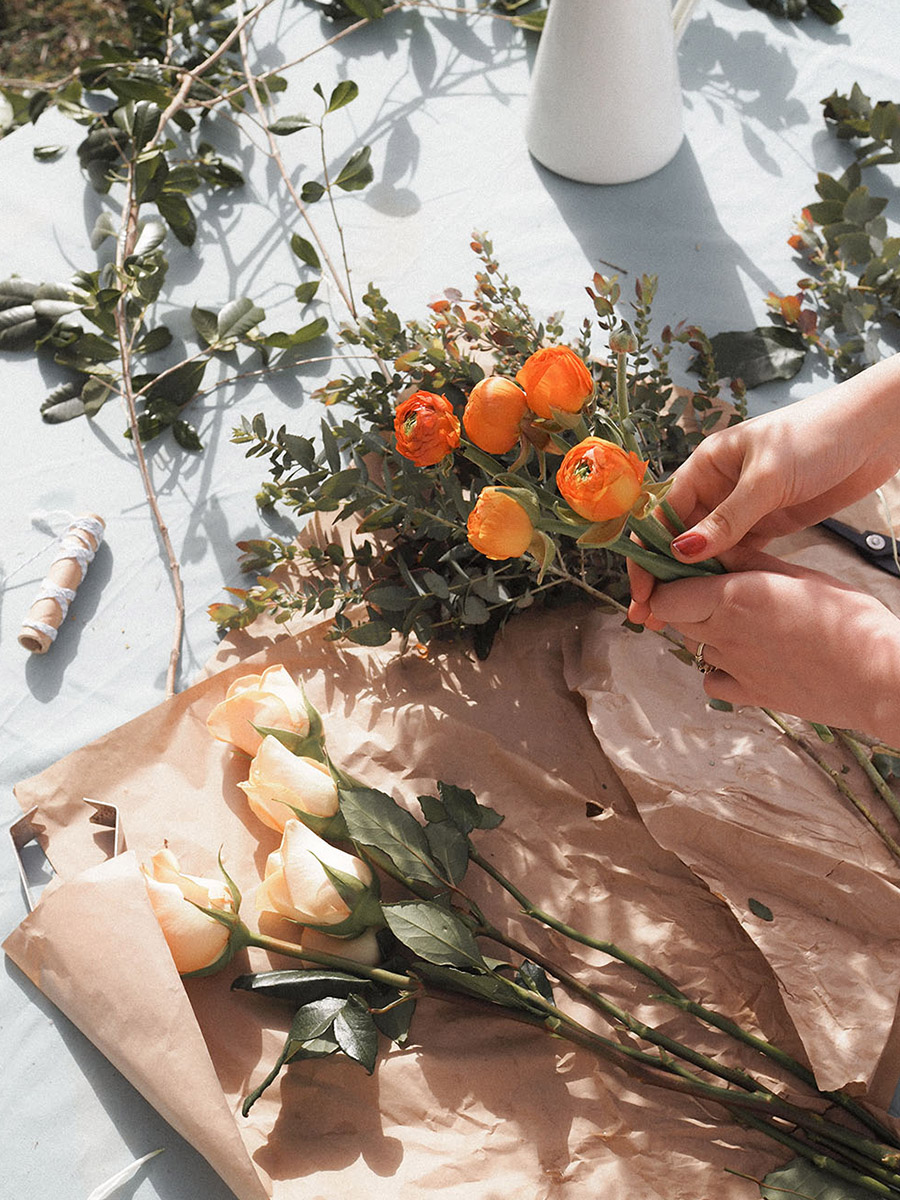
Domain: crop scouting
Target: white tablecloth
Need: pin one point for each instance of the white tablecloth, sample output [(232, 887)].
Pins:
[(442, 103)]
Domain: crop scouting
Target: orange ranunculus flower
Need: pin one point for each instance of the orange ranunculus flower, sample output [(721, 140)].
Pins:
[(600, 480), (498, 526), (555, 377), (493, 412), (427, 428)]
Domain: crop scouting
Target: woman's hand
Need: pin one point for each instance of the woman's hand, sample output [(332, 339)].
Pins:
[(787, 638), (783, 471)]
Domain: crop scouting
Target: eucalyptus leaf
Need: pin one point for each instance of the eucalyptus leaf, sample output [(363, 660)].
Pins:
[(370, 633), (356, 172), (344, 93), (63, 404), (206, 324), (236, 319), (285, 126), (152, 234), (178, 216), (305, 251), (104, 227)]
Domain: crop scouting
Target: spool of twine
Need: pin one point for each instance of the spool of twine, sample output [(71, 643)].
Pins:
[(77, 547)]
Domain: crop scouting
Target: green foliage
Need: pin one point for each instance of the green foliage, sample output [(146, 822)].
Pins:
[(103, 325), (796, 9), (801, 1178), (850, 299), (410, 569)]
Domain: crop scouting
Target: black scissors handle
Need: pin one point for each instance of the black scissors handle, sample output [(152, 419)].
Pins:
[(879, 549)]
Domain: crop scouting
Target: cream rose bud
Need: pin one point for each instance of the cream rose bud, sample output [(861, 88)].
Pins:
[(297, 886), (279, 778), (272, 700), (196, 940)]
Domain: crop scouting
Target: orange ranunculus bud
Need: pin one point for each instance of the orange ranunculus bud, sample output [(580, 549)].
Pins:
[(600, 480), (498, 526), (493, 412), (427, 428), (555, 377)]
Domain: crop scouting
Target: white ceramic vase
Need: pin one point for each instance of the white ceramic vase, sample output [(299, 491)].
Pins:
[(605, 103)]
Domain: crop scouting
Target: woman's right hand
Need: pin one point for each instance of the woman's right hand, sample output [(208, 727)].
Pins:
[(783, 471)]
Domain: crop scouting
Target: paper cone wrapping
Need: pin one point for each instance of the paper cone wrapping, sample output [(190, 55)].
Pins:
[(476, 1108)]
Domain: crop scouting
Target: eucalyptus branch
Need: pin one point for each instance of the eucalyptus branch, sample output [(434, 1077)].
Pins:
[(275, 155), (124, 247)]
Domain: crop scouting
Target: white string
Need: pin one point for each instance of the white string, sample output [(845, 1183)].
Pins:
[(55, 523)]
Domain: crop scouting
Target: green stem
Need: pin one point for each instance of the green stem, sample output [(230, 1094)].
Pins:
[(758, 1108), (880, 785), (292, 950), (616, 1014), (674, 996), (823, 1161), (835, 777), (625, 422), (660, 566), (672, 516)]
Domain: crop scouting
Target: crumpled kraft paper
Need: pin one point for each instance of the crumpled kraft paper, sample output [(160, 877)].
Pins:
[(753, 818), (474, 1107), (471, 1108)]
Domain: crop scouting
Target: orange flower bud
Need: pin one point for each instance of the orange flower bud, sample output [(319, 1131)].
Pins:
[(600, 480), (555, 377), (493, 412), (498, 526), (427, 428)]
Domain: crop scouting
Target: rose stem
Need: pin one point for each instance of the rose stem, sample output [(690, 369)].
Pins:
[(880, 785), (291, 950), (678, 999), (836, 779)]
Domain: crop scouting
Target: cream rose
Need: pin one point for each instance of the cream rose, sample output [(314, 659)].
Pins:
[(272, 700), (279, 778), (196, 940), (297, 886)]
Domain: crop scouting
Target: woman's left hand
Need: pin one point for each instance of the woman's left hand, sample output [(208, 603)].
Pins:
[(784, 637)]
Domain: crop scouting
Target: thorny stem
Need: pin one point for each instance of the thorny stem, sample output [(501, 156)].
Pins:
[(124, 247), (673, 995), (292, 950), (760, 1109), (878, 783), (835, 777)]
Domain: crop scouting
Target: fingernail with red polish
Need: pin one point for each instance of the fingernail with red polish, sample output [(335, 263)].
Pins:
[(689, 544)]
